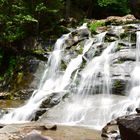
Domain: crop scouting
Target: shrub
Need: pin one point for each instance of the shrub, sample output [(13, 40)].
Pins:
[(93, 26)]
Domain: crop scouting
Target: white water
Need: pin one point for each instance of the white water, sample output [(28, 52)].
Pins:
[(83, 107), (81, 104), (133, 100), (135, 91), (100, 37), (73, 65)]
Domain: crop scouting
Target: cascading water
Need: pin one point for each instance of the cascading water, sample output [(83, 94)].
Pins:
[(82, 103), (48, 85), (132, 102), (135, 91), (87, 79), (100, 37)]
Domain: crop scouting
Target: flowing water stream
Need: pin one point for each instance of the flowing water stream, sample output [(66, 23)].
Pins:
[(83, 78)]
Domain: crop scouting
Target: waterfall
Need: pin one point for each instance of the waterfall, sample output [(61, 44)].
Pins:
[(87, 81), (82, 102), (52, 81)]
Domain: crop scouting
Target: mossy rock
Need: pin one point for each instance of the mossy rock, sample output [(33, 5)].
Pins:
[(63, 65), (111, 38), (119, 86), (93, 26), (120, 46), (133, 37)]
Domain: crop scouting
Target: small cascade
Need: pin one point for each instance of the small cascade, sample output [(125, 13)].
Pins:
[(135, 91), (92, 70), (100, 37), (72, 66), (48, 85), (132, 102), (54, 61)]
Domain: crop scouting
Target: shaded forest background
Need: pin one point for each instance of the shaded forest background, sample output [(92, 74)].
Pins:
[(20, 19)]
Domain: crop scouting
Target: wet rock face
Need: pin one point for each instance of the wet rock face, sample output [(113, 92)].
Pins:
[(77, 36), (111, 131), (122, 59), (23, 94), (129, 127), (51, 101), (119, 86), (121, 20)]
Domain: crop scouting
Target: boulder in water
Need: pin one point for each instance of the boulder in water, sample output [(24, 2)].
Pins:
[(110, 131), (138, 110), (129, 127)]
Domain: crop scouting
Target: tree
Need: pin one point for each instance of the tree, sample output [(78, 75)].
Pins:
[(22, 18), (96, 8), (116, 7)]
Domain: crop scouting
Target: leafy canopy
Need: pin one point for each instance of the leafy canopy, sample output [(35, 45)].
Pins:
[(20, 18)]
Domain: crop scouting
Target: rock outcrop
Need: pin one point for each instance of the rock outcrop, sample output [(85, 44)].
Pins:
[(123, 128), (129, 127)]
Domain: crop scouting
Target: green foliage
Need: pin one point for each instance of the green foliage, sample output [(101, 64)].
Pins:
[(9, 68), (118, 84), (107, 2), (93, 26), (119, 47), (1, 55), (22, 18), (12, 65), (115, 6)]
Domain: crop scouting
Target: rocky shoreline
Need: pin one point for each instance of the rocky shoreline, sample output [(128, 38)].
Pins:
[(41, 131)]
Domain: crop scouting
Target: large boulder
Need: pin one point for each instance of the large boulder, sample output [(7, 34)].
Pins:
[(129, 127)]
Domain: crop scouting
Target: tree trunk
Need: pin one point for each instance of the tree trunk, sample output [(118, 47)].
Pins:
[(68, 6)]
